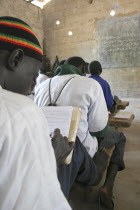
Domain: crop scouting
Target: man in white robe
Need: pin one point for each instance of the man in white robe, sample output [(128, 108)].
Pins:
[(74, 89), (28, 175), (27, 162), (80, 92)]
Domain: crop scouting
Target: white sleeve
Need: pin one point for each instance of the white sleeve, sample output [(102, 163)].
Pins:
[(98, 113)]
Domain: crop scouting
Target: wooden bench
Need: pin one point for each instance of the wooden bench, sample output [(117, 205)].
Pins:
[(122, 105), (119, 122)]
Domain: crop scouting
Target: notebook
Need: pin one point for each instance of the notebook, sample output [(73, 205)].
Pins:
[(66, 118)]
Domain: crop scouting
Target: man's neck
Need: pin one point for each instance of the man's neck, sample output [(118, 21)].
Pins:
[(67, 69)]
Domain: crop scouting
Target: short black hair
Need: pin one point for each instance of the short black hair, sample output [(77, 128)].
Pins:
[(86, 68), (75, 61), (61, 62), (95, 68)]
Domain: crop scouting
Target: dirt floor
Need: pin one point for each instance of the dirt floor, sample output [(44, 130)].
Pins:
[(127, 185)]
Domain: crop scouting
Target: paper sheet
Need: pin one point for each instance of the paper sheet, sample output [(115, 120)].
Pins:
[(58, 117)]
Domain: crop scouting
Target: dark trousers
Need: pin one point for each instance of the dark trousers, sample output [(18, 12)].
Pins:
[(111, 138), (81, 169)]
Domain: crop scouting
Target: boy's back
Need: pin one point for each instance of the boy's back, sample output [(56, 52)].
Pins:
[(80, 92)]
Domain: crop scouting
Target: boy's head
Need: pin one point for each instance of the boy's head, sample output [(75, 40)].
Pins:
[(77, 62), (95, 68), (20, 55)]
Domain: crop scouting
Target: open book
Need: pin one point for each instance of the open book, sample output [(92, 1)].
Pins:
[(66, 118)]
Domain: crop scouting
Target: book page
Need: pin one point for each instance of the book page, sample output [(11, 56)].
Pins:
[(58, 117), (123, 115)]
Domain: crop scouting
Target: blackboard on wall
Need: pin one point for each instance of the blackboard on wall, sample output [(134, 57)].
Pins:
[(119, 42)]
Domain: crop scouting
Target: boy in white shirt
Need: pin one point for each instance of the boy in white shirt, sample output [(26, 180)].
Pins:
[(74, 89)]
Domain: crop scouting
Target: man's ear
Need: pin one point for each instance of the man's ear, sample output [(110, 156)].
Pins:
[(15, 59)]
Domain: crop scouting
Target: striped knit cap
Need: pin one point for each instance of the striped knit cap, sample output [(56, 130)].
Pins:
[(15, 33)]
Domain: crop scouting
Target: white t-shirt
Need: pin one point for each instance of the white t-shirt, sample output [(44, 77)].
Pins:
[(80, 92), (28, 178)]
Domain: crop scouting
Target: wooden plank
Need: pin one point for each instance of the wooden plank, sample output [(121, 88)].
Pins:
[(123, 104), (123, 115), (120, 122)]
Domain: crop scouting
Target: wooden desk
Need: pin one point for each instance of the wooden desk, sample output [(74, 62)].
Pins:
[(122, 105), (117, 123)]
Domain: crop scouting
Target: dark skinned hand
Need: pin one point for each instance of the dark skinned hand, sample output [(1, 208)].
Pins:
[(61, 146)]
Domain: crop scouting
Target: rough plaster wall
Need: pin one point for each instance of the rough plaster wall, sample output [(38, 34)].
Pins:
[(81, 18), (25, 11)]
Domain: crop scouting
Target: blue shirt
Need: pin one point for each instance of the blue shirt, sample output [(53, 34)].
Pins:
[(106, 90)]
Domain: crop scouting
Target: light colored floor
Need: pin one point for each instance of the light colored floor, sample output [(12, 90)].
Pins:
[(127, 184)]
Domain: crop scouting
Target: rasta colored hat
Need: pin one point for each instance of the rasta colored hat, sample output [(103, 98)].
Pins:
[(15, 33)]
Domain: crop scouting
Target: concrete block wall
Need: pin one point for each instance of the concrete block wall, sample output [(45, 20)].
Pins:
[(25, 11), (81, 18)]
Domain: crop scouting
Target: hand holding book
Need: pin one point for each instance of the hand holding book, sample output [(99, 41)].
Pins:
[(67, 119), (62, 148)]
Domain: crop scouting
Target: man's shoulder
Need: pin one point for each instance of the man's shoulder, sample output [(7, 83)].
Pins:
[(105, 83), (90, 83), (88, 86), (14, 103), (87, 80)]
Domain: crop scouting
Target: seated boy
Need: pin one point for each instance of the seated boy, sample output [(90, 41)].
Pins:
[(95, 69), (74, 89)]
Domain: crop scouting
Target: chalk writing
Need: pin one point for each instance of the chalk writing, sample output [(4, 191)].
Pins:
[(119, 42)]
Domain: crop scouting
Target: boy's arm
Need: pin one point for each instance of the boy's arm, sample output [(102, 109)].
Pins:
[(98, 114)]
